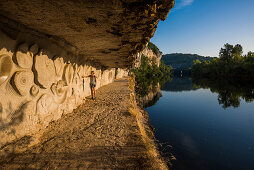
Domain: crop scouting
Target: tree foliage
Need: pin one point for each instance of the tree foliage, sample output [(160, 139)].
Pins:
[(150, 74), (231, 64)]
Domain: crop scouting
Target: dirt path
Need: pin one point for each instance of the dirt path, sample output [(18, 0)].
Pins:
[(99, 134)]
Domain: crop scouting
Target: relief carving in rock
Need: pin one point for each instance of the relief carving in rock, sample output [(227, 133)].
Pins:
[(59, 66), (24, 57), (68, 74), (22, 82), (45, 70), (60, 91), (34, 90), (46, 105), (5, 68)]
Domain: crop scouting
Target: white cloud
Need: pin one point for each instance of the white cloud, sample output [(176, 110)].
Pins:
[(187, 2), (182, 3)]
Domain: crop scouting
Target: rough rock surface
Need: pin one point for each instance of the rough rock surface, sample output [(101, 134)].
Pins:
[(40, 82), (106, 31), (148, 53), (100, 134)]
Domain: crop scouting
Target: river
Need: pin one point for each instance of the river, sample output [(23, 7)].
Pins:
[(209, 125)]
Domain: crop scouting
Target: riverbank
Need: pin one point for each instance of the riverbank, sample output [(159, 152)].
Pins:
[(110, 132)]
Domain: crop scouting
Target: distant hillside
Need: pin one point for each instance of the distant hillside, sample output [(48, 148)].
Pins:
[(183, 61)]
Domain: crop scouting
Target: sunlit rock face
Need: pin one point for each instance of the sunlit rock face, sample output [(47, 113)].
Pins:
[(46, 46), (149, 54), (106, 31), (40, 82)]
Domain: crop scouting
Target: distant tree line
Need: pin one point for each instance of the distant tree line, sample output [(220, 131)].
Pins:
[(231, 64), (180, 61)]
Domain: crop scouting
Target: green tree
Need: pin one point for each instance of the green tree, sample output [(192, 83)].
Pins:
[(226, 53)]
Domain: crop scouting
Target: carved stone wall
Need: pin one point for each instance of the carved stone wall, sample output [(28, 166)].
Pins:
[(40, 82), (107, 31)]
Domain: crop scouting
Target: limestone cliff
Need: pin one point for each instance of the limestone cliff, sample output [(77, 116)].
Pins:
[(105, 31), (46, 46), (148, 53)]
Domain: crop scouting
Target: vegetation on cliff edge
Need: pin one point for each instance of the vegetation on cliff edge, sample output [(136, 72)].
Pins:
[(150, 74), (154, 48)]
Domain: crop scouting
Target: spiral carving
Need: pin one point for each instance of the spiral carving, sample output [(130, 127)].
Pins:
[(23, 80), (34, 90)]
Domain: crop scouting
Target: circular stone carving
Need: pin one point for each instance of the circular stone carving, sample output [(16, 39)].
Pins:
[(68, 73), (23, 81), (23, 57), (5, 68), (45, 70), (59, 66), (34, 90)]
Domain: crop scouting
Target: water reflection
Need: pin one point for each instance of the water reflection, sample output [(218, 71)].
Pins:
[(149, 90), (229, 92), (178, 84), (190, 118)]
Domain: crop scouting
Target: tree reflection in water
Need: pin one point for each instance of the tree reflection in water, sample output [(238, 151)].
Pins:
[(148, 91), (230, 92)]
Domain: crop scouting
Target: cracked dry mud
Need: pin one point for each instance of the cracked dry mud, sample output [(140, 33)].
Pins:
[(99, 134)]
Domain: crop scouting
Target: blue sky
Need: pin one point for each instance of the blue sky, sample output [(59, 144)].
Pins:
[(204, 26)]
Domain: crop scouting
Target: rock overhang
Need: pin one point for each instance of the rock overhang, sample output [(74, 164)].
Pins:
[(108, 32)]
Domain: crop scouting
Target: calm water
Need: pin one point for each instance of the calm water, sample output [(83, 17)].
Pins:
[(205, 131)]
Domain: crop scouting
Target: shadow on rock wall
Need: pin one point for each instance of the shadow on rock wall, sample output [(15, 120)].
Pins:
[(39, 82)]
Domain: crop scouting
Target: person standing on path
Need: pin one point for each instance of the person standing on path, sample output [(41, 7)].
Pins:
[(92, 84)]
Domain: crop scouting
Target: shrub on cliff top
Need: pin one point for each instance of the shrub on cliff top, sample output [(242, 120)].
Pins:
[(154, 48)]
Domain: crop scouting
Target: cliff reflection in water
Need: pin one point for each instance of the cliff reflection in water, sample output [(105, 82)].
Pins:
[(149, 91)]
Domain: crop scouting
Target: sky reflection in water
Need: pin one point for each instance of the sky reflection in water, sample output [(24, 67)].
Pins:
[(204, 135)]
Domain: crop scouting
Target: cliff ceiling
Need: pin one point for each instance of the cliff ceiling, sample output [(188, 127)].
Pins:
[(106, 31)]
